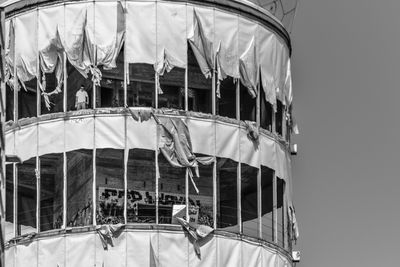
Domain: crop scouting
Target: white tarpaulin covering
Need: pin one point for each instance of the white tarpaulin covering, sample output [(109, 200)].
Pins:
[(26, 46), (141, 34), (156, 33), (226, 34), (141, 248)]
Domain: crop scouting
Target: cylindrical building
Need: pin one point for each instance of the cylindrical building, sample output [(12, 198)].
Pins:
[(148, 133)]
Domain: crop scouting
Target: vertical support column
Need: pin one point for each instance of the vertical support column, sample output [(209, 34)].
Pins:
[(275, 211), (65, 184), (126, 156), (156, 79), (273, 119), (65, 76), (38, 81), (284, 219), (213, 98), (37, 175), (187, 194), (237, 99), (259, 191), (94, 200), (15, 178), (157, 172), (15, 81), (284, 122), (215, 192), (186, 87)]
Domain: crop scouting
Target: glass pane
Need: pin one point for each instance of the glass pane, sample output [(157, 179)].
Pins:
[(79, 190), (267, 199), (27, 190), (227, 102), (9, 104), (49, 83), (249, 200), (278, 118), (266, 113), (201, 204), (79, 90), (141, 86), (200, 88), (172, 200), (141, 206), (9, 225), (280, 211), (173, 86), (51, 191), (227, 218), (27, 100), (247, 105), (111, 90), (110, 186)]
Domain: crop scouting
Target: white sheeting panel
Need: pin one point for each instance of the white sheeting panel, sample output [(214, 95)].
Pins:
[(80, 250), (206, 16), (113, 256), (268, 258), (228, 252), (24, 140), (202, 134), (251, 255), (141, 134), (140, 42), (268, 152), (281, 261), (74, 32), (108, 28), (280, 69), (281, 168), (249, 151), (27, 254), (110, 132), (176, 243), (51, 21), (9, 138), (9, 257), (171, 32), (51, 137), (247, 30), (266, 54), (208, 250), (51, 252), (227, 141), (226, 33), (79, 133), (139, 249), (26, 45)]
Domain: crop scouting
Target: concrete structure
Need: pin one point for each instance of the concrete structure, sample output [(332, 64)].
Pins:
[(181, 155)]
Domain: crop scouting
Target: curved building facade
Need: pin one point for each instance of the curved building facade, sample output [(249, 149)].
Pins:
[(148, 133)]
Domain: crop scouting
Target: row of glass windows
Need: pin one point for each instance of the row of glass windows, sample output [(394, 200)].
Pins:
[(241, 205), (234, 101)]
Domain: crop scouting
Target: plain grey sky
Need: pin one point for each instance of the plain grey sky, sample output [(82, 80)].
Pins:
[(346, 71)]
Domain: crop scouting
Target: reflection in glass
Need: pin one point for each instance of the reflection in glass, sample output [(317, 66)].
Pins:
[(9, 224), (172, 200), (110, 186), (79, 189), (249, 201), (173, 87), (200, 88), (141, 85), (267, 198), (27, 190), (266, 113), (280, 211), (51, 191), (141, 206), (227, 102), (227, 195), (27, 100), (278, 118), (201, 204), (247, 105), (9, 104)]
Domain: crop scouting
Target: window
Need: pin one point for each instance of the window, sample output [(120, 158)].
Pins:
[(267, 205), (227, 102), (249, 210)]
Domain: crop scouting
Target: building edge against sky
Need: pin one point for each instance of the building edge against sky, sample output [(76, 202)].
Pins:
[(179, 153)]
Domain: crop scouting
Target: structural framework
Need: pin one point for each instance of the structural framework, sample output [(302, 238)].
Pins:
[(148, 133)]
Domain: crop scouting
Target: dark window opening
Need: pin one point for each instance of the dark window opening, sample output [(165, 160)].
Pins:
[(227, 102), (247, 105), (249, 210)]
